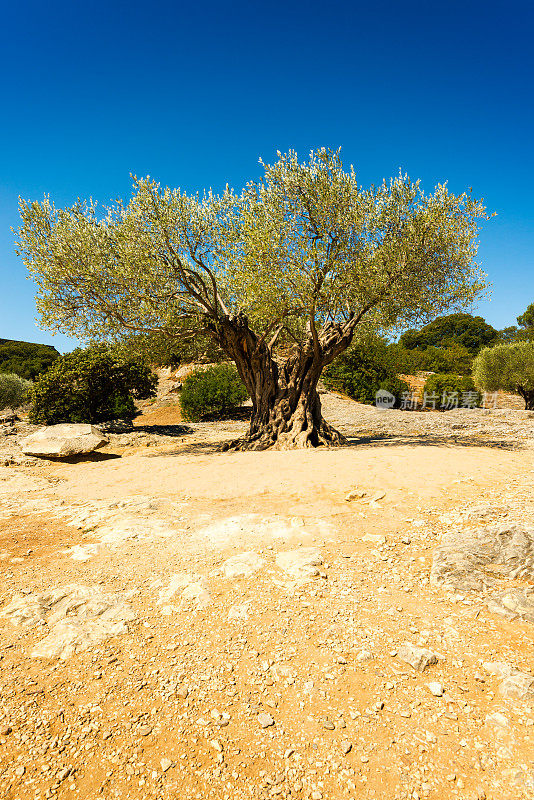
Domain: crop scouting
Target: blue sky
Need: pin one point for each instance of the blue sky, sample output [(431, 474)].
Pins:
[(194, 94)]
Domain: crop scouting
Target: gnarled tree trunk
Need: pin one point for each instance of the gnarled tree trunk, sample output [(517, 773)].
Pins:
[(286, 405), (528, 397)]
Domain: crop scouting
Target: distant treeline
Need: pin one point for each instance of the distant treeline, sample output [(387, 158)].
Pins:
[(26, 358)]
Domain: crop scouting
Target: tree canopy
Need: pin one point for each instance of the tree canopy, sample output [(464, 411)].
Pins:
[(509, 367), (526, 320), (470, 332), (25, 358), (297, 261)]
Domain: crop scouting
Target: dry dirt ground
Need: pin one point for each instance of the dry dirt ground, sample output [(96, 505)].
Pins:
[(179, 622)]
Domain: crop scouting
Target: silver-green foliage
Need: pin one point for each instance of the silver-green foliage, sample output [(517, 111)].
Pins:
[(304, 247), (13, 390), (509, 367)]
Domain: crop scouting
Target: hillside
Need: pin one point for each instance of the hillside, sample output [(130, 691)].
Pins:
[(26, 359)]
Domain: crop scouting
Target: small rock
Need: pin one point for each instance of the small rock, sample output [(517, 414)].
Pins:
[(374, 538), (166, 764), (497, 722), (435, 688), (346, 747), (328, 724), (417, 657), (355, 494), (144, 730), (5, 730), (500, 668), (518, 686), (265, 720), (376, 496), (20, 771), (364, 655)]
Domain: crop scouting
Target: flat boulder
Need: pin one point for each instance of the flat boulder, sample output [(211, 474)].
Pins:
[(64, 440)]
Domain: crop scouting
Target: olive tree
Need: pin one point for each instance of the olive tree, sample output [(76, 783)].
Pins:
[(509, 367), (281, 275)]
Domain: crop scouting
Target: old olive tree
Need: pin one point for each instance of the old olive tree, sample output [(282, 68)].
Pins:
[(280, 275)]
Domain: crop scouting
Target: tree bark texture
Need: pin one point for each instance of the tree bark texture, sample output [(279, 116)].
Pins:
[(286, 405)]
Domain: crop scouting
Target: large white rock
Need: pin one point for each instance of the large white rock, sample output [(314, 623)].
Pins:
[(61, 441)]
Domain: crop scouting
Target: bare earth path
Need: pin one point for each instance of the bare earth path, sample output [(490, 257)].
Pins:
[(228, 625)]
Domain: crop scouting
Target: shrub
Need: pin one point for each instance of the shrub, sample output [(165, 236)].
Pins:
[(212, 391), (360, 370), (396, 387), (90, 385), (509, 367), (13, 390), (452, 359), (450, 390)]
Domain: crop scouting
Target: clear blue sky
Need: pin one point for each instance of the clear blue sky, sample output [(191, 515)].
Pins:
[(193, 94)]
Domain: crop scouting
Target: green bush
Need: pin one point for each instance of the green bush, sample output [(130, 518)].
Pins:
[(215, 390), (452, 359), (90, 385), (396, 387), (446, 388), (360, 370), (13, 390)]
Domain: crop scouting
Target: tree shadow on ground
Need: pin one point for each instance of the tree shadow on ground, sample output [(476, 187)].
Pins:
[(80, 459), (400, 440), (192, 449), (238, 414), (165, 430)]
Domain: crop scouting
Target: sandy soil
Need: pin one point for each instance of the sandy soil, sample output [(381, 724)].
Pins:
[(280, 681)]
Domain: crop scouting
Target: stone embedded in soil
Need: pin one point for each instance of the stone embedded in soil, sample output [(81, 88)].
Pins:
[(513, 604), (417, 657), (364, 655), (327, 724), (76, 617), (191, 590), (242, 565), (300, 564), (519, 685), (265, 720), (239, 612), (461, 560), (500, 668), (144, 730), (355, 494)]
